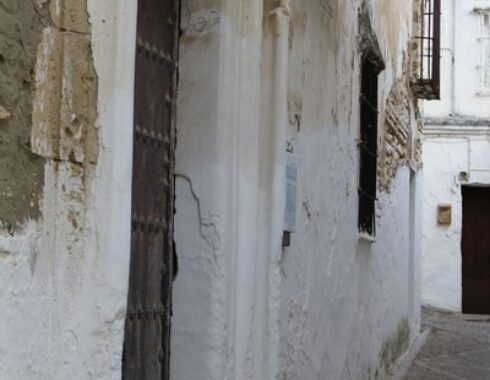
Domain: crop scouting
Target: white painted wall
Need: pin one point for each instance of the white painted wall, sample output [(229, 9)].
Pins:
[(330, 306), (63, 291), (450, 148), (342, 298), (445, 156), (216, 225)]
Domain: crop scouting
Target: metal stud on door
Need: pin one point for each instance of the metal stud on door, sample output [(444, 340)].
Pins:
[(147, 328)]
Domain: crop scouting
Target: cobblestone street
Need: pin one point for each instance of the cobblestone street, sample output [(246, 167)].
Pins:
[(458, 347)]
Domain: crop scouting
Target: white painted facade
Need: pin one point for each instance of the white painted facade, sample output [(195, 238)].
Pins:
[(332, 305), (255, 78), (457, 140)]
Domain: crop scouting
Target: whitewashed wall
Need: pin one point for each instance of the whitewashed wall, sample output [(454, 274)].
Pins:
[(457, 140), (345, 303), (333, 305), (217, 194)]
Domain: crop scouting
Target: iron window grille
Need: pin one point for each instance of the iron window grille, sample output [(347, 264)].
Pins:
[(368, 144), (427, 79)]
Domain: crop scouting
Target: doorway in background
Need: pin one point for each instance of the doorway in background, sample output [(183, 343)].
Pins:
[(475, 247)]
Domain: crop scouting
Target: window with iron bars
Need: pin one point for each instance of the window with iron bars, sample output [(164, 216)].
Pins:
[(368, 147), (427, 77)]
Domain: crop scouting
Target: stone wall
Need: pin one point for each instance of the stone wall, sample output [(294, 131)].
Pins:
[(401, 129)]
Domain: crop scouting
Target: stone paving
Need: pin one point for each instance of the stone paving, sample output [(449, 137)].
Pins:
[(458, 347)]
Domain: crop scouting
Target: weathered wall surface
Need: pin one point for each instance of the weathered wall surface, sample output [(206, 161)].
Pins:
[(332, 305), (21, 172), (346, 310), (216, 190), (63, 276)]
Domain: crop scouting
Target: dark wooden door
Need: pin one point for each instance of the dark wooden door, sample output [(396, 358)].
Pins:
[(476, 250), (147, 328)]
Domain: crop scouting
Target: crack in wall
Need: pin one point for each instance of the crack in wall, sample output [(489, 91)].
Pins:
[(211, 223)]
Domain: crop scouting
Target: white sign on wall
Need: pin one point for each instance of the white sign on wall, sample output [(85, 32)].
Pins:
[(291, 194)]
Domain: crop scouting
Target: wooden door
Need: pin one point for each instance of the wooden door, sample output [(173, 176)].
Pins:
[(476, 250), (147, 328)]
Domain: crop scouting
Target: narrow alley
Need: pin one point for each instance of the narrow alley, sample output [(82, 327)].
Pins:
[(244, 189)]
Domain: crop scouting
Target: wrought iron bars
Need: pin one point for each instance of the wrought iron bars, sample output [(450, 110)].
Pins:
[(368, 148), (427, 81)]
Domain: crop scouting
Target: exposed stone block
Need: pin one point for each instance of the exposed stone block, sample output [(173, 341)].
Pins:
[(46, 108), (70, 15), (78, 98), (395, 148), (65, 98)]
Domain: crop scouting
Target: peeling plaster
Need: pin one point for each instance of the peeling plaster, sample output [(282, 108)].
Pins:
[(334, 287), (397, 133), (401, 143), (21, 172), (201, 22), (64, 115), (64, 274), (368, 42), (65, 94), (21, 247)]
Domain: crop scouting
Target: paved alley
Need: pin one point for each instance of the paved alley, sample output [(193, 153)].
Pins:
[(458, 347)]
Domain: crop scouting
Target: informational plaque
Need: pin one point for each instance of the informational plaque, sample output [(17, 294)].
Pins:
[(444, 214), (291, 194)]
